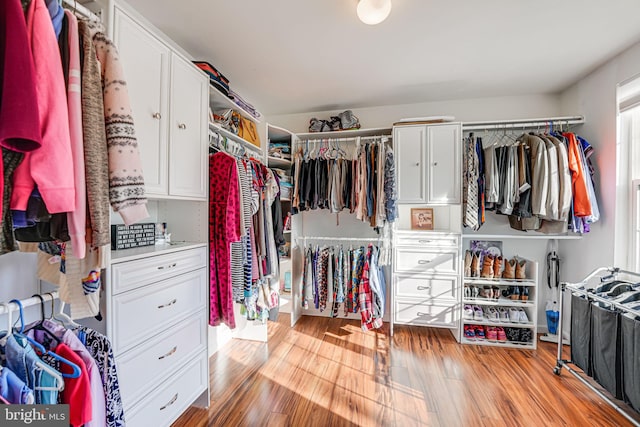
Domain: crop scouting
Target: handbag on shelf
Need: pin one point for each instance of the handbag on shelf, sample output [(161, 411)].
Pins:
[(248, 131)]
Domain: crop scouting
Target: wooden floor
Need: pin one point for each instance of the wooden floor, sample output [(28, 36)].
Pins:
[(327, 372)]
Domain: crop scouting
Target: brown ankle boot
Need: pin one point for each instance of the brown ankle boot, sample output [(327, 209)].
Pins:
[(509, 271), (475, 265), (487, 267), (521, 265), (497, 266), (467, 264)]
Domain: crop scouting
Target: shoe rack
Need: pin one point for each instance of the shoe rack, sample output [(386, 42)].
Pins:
[(493, 307)]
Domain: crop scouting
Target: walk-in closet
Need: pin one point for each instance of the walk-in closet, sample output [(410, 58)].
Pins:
[(320, 213)]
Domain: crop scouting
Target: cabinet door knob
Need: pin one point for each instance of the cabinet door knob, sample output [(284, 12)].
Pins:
[(418, 164), (182, 126), (435, 163), (157, 116)]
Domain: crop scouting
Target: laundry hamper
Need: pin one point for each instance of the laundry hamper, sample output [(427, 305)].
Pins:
[(630, 360), (606, 349), (581, 333)]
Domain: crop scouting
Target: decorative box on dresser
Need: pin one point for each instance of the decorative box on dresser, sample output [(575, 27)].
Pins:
[(158, 326)]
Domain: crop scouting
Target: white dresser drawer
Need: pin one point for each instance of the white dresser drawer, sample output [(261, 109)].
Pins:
[(436, 314), (134, 274), (427, 240), (439, 287), (426, 261), (142, 313), (142, 368), (165, 404)]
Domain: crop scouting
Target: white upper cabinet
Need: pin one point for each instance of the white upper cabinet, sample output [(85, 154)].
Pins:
[(428, 164), (145, 60), (410, 143), (188, 167), (443, 164), (169, 98)]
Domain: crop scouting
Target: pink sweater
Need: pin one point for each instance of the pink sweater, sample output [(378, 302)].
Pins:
[(76, 220), (49, 166)]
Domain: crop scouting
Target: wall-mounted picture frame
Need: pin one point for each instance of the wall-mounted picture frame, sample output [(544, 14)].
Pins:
[(422, 218)]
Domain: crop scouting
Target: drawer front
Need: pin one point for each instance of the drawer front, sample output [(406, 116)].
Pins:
[(426, 261), (129, 275), (165, 404), (140, 369), (439, 287), (434, 314), (427, 241), (140, 314)]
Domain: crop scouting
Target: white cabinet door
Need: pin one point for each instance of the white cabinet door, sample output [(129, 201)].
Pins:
[(145, 60), (410, 152), (188, 131), (444, 162)]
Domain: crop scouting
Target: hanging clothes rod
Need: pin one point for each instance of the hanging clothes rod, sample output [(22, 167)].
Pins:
[(30, 302), (341, 139), (77, 7), (341, 239), (526, 123)]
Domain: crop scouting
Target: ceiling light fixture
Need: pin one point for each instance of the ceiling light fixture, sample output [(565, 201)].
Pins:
[(373, 12)]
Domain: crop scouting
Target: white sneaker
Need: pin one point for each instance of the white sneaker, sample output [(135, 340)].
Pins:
[(492, 314), (477, 313), (468, 312), (514, 316), (504, 314), (522, 316)]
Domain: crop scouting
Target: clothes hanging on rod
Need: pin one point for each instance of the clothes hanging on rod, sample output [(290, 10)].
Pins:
[(350, 276), (69, 149), (538, 180), (362, 180), (47, 362), (244, 263)]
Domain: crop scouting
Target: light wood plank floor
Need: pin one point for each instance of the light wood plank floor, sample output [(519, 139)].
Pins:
[(327, 372)]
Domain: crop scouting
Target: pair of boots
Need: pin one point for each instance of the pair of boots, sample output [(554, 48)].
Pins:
[(492, 267)]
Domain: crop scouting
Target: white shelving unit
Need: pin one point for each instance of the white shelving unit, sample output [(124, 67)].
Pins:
[(215, 127), (530, 306), (220, 101)]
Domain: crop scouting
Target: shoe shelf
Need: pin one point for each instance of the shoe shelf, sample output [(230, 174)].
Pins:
[(502, 301), (498, 282), (496, 343), (487, 322)]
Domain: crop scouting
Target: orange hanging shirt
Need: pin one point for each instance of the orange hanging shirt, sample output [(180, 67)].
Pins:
[(581, 203)]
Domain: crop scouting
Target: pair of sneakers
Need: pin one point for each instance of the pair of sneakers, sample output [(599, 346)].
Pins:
[(519, 335), (495, 333), (518, 315), (474, 332), (473, 312)]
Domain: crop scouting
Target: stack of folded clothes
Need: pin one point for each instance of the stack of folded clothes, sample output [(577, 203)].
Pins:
[(216, 78), (244, 104)]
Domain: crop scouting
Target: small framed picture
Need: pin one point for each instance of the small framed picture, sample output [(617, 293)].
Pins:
[(422, 219)]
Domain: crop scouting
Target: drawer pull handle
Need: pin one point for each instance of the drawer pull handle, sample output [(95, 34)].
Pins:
[(422, 314), (162, 267), (424, 261), (169, 403), (168, 304), (173, 350), (424, 288), (424, 242)]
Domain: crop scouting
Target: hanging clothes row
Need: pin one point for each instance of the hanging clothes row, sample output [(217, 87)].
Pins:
[(245, 235), (543, 182), (68, 142), (52, 362), (354, 278), (362, 180)]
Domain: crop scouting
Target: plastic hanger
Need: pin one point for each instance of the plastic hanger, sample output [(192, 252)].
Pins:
[(76, 370), (64, 318), (39, 326)]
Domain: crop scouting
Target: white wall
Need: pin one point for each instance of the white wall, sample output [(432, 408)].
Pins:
[(499, 108), (595, 97)]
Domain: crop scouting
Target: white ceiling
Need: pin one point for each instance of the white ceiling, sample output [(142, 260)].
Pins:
[(296, 56)]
